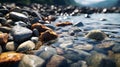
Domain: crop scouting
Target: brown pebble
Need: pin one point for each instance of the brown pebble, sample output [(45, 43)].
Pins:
[(3, 38), (40, 27), (48, 35), (64, 23)]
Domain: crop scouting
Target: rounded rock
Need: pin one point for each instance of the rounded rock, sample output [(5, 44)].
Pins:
[(31, 61), (96, 35), (25, 46)]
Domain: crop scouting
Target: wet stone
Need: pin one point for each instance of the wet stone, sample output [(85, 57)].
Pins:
[(21, 34), (25, 46), (116, 48), (78, 24), (86, 47), (40, 27), (95, 59), (96, 35), (5, 29), (46, 52), (31, 61), (20, 23), (48, 36), (67, 23), (79, 64), (17, 16), (57, 61), (3, 38), (11, 46), (10, 59)]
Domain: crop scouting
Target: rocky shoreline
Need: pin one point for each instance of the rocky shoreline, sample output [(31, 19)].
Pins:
[(59, 36)]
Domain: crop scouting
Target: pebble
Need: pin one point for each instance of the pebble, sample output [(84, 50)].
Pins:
[(40, 27), (79, 64), (11, 46), (67, 23), (46, 52), (5, 29), (3, 38), (17, 16), (116, 48), (21, 34), (0, 49), (10, 59), (31, 61), (25, 46), (96, 35), (86, 47), (78, 24), (95, 59), (48, 36), (66, 44), (57, 61)]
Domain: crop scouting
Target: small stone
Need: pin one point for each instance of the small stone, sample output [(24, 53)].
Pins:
[(31, 61), (95, 59), (10, 59), (17, 16), (57, 61), (87, 16), (79, 64), (105, 45), (11, 46), (20, 23), (48, 36), (79, 24), (25, 46), (21, 34), (40, 27), (116, 48), (34, 39), (3, 38), (64, 23), (36, 33), (46, 52), (96, 35), (103, 19), (3, 21), (5, 29), (104, 10), (66, 44), (86, 47)]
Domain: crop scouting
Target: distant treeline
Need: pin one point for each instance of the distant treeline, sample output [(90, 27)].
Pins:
[(27, 2)]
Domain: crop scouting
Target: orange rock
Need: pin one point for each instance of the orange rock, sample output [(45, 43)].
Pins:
[(3, 38), (40, 27), (48, 35), (64, 23), (10, 57)]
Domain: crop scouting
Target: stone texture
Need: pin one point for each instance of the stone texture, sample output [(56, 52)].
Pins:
[(48, 36), (11, 46), (21, 34), (10, 59), (31, 61), (57, 61), (96, 35), (3, 38), (25, 46)]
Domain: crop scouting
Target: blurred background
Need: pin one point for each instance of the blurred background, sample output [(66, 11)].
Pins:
[(81, 3)]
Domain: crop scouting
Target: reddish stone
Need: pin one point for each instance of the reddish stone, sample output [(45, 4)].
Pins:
[(57, 61), (64, 23), (3, 38), (40, 27), (10, 59), (48, 35)]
